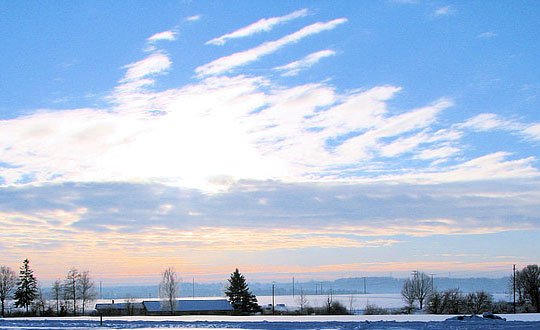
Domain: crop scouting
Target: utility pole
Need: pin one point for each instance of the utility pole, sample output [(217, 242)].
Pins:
[(273, 308), (293, 287), (321, 289), (514, 289), (365, 289), (432, 288), (193, 288)]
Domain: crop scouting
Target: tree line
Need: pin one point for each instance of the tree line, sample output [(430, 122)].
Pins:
[(419, 293), (70, 295)]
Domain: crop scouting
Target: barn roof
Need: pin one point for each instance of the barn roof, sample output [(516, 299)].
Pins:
[(191, 305)]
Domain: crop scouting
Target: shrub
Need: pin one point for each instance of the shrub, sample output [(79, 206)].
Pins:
[(372, 309)]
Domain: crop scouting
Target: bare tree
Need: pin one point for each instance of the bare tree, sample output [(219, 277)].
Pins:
[(422, 287), (329, 301), (86, 287), (168, 289), (70, 288), (40, 303), (416, 288), (130, 306), (8, 281), (302, 300), (408, 293), (56, 293)]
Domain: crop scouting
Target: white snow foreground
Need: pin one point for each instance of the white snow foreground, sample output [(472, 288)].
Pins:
[(352, 322)]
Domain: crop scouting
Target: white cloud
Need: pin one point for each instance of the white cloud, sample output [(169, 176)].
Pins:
[(447, 10), (484, 122), (487, 35), (165, 35), (438, 153), (221, 129), (193, 18), (265, 24), (154, 64), (533, 131), (227, 63), (293, 68)]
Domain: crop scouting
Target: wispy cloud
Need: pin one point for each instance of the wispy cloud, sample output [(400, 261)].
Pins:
[(533, 131), (83, 221), (485, 122), (165, 35), (227, 63), (193, 18), (154, 64), (443, 11), (169, 35), (490, 121), (265, 24), (294, 68), (487, 35)]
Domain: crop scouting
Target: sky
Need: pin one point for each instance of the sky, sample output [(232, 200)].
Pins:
[(315, 139)]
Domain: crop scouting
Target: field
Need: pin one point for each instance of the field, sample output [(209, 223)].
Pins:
[(521, 321)]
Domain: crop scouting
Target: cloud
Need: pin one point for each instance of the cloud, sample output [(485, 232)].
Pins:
[(533, 131), (129, 223), (193, 18), (485, 122), (154, 64), (487, 35), (488, 122), (169, 35), (165, 35), (265, 24), (443, 11), (293, 68), (227, 63)]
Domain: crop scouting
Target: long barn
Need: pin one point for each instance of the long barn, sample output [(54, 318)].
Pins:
[(156, 307)]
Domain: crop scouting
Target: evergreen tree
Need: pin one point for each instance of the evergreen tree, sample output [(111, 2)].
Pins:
[(239, 295), (26, 286)]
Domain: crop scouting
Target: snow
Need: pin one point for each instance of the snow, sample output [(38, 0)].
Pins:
[(345, 322)]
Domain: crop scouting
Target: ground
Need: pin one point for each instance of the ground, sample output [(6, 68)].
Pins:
[(520, 321)]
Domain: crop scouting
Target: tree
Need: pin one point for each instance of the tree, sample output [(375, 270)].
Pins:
[(239, 295), (302, 300), (26, 286), (168, 289), (7, 285), (56, 293), (40, 303), (417, 288), (71, 293), (478, 302), (408, 293), (450, 301), (86, 287), (529, 280)]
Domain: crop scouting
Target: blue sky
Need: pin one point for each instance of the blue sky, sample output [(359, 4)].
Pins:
[(315, 139)]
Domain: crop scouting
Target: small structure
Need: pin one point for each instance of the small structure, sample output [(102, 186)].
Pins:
[(184, 307)]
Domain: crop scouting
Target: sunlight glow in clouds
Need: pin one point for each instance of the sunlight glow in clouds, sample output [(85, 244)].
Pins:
[(263, 160)]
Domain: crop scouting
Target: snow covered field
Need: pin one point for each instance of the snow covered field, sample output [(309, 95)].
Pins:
[(518, 321)]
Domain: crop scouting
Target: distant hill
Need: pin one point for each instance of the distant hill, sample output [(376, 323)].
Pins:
[(339, 286)]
